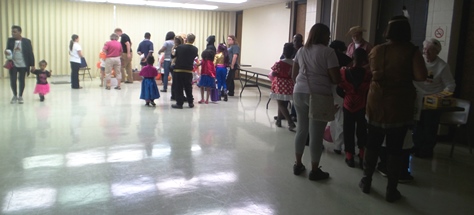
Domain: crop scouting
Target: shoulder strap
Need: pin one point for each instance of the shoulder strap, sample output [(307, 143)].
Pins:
[(305, 68)]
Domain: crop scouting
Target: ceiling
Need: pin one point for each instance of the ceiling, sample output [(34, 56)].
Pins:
[(229, 6)]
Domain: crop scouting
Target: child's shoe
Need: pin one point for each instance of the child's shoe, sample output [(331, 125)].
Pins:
[(152, 103), (41, 98), (201, 102)]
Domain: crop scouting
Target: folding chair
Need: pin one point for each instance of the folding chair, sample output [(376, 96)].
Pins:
[(84, 69), (458, 119)]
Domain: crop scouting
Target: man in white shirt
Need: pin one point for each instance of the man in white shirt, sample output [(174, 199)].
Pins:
[(439, 79)]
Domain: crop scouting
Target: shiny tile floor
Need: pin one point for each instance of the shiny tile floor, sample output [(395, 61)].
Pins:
[(93, 151)]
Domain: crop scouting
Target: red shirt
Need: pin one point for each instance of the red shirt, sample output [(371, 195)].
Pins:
[(113, 48), (355, 99), (208, 68)]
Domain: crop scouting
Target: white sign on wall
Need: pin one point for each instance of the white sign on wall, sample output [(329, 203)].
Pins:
[(440, 32)]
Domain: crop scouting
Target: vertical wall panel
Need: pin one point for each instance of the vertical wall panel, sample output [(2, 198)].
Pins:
[(50, 23)]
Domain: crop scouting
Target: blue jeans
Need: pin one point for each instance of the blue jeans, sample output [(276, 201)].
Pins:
[(166, 67)]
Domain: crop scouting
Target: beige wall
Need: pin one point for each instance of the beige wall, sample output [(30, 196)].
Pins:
[(440, 17), (265, 30), (50, 23)]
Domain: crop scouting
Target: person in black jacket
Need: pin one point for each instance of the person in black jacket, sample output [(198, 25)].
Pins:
[(183, 72), (210, 44), (23, 61)]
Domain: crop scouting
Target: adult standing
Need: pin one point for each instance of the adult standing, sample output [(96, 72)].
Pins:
[(75, 55), (126, 56), (357, 41), (146, 48), (23, 62), (167, 48), (315, 70), (439, 79), (183, 69), (391, 101), (211, 40), (234, 53), (113, 50)]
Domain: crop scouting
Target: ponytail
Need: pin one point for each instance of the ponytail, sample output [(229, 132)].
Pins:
[(71, 43)]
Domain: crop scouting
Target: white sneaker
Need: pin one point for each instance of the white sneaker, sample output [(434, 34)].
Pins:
[(14, 100), (20, 100)]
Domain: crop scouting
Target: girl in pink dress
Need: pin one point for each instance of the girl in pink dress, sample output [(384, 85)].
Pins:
[(42, 75)]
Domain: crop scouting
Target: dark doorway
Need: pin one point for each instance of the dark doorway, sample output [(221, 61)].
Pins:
[(326, 12), (418, 11)]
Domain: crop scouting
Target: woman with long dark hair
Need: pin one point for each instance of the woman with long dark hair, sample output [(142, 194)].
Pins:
[(75, 55)]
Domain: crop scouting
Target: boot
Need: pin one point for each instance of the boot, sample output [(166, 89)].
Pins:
[(394, 164), (370, 160)]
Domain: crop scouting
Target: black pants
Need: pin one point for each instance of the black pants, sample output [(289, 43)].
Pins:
[(425, 132), (173, 86), (21, 78), (75, 74), (394, 138), (183, 80), (230, 81), (349, 127)]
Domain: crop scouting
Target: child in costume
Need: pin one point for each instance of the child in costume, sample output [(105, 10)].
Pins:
[(42, 75), (149, 91), (207, 80)]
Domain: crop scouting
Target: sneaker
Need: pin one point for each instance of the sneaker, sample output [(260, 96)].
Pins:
[(20, 100), (298, 169), (405, 178), (382, 170), (318, 175), (14, 100)]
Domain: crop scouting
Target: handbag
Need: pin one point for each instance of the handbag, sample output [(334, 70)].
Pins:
[(214, 94), (321, 107), (8, 64)]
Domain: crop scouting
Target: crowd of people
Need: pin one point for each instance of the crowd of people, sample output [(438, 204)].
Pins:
[(367, 95), (179, 59), (374, 93)]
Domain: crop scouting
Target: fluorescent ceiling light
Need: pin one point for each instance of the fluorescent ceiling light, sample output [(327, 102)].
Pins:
[(229, 1), (157, 4)]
